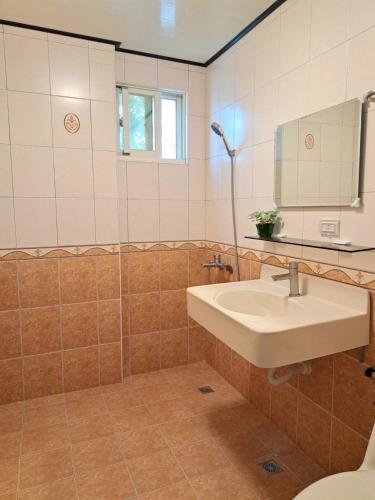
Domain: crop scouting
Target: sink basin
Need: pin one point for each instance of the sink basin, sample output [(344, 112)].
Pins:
[(259, 320), (256, 303)]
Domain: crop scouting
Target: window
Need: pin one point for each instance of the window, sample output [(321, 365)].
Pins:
[(151, 124)]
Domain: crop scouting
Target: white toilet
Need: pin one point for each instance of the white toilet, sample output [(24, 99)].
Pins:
[(356, 485)]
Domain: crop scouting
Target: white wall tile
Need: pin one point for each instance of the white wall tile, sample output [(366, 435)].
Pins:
[(265, 115), (103, 125), (263, 169), (120, 67), (106, 220), (123, 220), (361, 16), (197, 179), (244, 122), (143, 220), (226, 78), (197, 137), (29, 33), (30, 119), (69, 66), (197, 94), (27, 64), (173, 220), (243, 173), (143, 180), (267, 42), (33, 174), (219, 226), (3, 82), (295, 35), (4, 118), (243, 207), (35, 222), (329, 19), (107, 47), (75, 221), (102, 75), (355, 223), (7, 225), (122, 179), (292, 95), (172, 78), (212, 89), (6, 185), (197, 220), (361, 64), (73, 173), (173, 181), (291, 222), (105, 174), (70, 40), (330, 90), (61, 106), (244, 67), (140, 73)]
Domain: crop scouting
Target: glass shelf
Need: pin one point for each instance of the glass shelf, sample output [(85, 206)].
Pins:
[(314, 244)]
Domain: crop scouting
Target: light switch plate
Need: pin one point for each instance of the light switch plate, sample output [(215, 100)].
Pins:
[(329, 227)]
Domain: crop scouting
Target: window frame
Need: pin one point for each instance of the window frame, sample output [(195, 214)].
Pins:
[(182, 126)]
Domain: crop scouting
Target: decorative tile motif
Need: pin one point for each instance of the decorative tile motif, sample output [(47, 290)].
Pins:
[(71, 123), (309, 141)]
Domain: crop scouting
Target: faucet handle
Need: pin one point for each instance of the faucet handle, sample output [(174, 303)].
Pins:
[(293, 264)]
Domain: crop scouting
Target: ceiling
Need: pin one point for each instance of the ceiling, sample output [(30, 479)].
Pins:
[(187, 29)]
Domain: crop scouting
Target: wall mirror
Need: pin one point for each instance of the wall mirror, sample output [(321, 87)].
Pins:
[(317, 158)]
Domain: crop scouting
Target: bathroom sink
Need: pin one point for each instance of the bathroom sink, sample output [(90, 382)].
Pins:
[(255, 302), (259, 320)]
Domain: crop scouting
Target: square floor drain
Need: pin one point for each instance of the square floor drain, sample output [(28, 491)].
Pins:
[(270, 467), (205, 389)]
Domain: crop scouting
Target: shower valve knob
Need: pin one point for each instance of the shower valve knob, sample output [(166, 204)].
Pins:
[(370, 372)]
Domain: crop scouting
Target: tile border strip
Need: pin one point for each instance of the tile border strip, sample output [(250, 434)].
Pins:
[(350, 276)]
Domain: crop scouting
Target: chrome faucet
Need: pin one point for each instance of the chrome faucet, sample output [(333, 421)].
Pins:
[(216, 262), (292, 276)]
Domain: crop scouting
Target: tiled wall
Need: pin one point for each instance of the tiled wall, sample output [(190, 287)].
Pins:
[(306, 56), (165, 201), (60, 325), (57, 188), (157, 332), (70, 322), (62, 195)]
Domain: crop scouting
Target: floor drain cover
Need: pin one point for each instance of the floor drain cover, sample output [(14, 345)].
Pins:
[(270, 467), (206, 389)]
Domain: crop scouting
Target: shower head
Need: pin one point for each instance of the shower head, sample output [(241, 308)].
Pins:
[(216, 127)]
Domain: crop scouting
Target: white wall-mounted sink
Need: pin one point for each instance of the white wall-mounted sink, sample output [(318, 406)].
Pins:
[(259, 321)]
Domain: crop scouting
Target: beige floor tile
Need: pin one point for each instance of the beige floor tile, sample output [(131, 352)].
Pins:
[(108, 483), (154, 471), (94, 454)]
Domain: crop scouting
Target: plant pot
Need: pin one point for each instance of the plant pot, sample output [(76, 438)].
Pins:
[(265, 230)]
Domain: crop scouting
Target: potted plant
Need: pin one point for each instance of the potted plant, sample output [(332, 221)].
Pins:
[(265, 222)]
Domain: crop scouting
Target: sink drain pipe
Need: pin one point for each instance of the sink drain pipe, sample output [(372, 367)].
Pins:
[(303, 368)]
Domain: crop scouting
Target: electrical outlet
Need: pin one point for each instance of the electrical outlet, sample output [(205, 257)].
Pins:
[(329, 227)]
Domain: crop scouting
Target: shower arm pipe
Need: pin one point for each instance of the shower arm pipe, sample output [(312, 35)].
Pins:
[(216, 127)]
